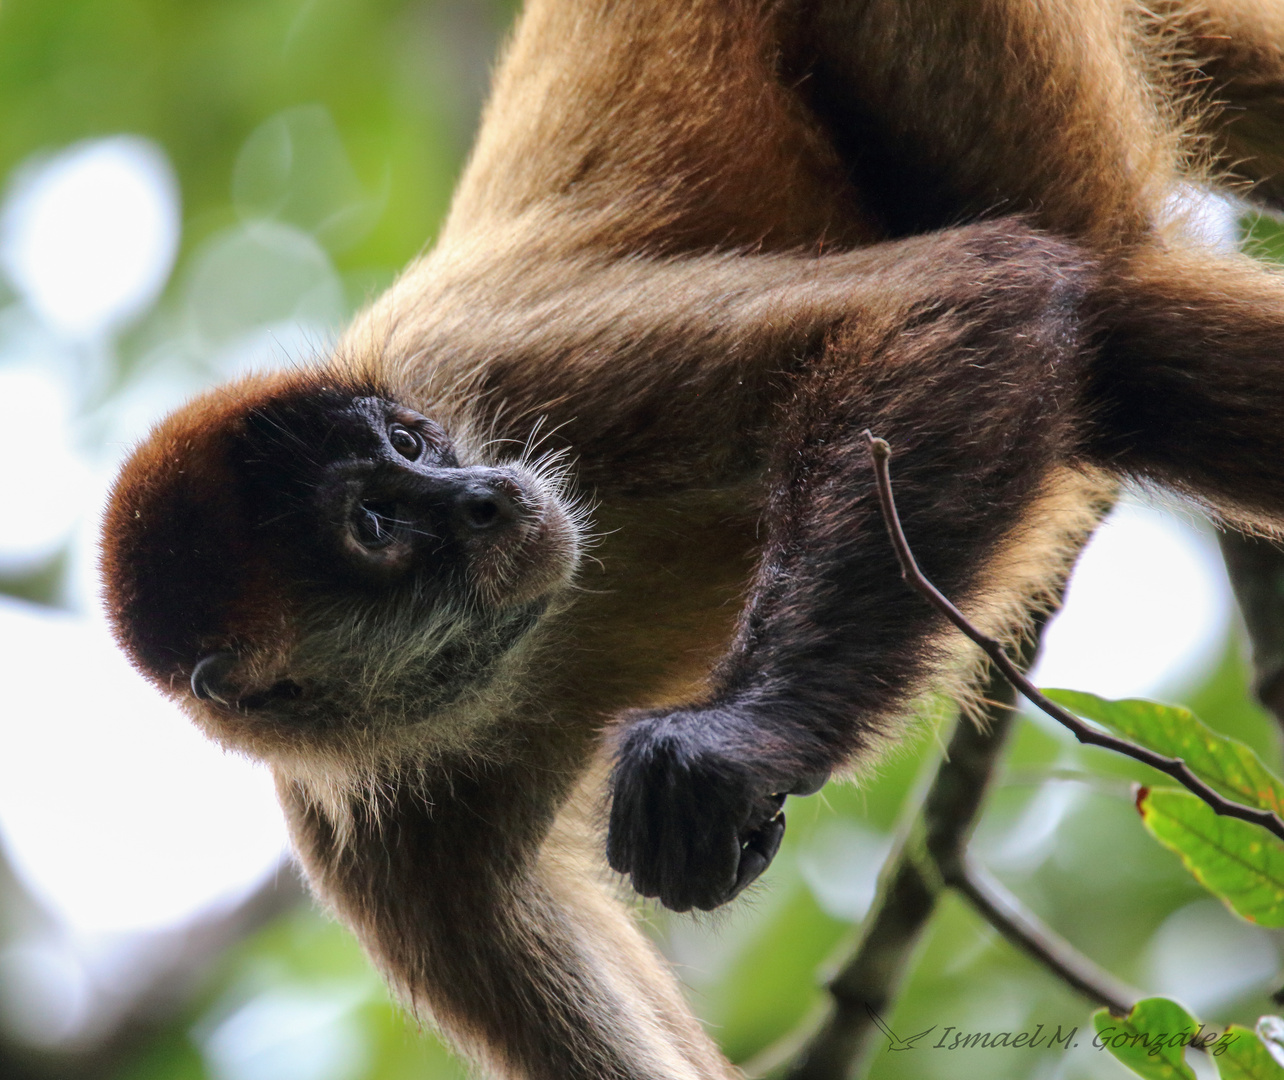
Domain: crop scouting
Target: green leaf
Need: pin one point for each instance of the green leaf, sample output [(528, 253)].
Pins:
[(1237, 861), (1225, 764), (1151, 1040), (1241, 1055)]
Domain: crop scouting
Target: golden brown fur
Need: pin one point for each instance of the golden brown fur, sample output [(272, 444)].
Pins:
[(699, 246)]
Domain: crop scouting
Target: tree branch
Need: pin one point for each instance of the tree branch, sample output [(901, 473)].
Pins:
[(1036, 939), (909, 888), (881, 453), (929, 857), (1256, 570)]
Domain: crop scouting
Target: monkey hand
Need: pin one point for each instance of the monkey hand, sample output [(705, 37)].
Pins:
[(693, 821)]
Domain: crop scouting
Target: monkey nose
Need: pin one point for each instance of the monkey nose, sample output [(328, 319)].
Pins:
[(488, 504)]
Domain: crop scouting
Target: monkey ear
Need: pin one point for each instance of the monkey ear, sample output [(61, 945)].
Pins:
[(210, 678), (215, 679)]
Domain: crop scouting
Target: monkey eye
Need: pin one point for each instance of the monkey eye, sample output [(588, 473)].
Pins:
[(409, 444)]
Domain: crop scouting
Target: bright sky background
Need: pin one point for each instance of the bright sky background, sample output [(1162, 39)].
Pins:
[(115, 812)]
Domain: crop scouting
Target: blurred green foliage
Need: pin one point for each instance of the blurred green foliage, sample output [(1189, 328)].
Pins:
[(399, 80), (1140, 1039)]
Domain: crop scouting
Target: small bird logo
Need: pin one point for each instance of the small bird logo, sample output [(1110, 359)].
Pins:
[(894, 1041)]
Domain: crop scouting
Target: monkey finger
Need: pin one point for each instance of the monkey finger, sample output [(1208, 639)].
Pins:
[(697, 853), (706, 881), (756, 854)]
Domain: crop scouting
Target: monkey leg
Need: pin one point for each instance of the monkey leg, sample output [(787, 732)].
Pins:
[(1189, 380), (1088, 148), (983, 403), (1236, 55)]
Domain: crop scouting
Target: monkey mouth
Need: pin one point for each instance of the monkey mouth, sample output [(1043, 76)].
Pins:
[(530, 561), (213, 680), (339, 689)]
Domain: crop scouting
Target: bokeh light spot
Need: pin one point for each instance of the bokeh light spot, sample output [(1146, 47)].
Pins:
[(88, 236)]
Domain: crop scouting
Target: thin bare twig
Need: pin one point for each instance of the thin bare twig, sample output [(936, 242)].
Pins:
[(929, 857), (933, 834), (832, 1044), (881, 453), (1032, 936)]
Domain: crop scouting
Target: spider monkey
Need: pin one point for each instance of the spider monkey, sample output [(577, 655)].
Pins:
[(699, 247)]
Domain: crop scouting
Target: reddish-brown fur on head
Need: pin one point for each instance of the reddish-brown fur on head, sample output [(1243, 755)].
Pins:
[(182, 575)]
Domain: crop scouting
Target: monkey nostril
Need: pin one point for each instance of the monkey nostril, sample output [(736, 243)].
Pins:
[(491, 506), (482, 513)]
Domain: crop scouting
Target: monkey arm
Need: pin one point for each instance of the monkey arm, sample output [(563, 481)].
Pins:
[(1098, 158), (983, 400), (664, 375), (1000, 412), (1095, 160), (1189, 381), (506, 936)]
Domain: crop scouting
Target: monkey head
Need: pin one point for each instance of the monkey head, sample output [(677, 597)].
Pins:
[(305, 563)]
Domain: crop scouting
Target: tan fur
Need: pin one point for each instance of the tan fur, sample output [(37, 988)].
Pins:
[(1025, 578), (681, 217)]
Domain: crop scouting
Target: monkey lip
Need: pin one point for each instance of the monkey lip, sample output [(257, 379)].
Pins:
[(531, 558)]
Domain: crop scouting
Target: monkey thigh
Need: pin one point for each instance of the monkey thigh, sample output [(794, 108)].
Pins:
[(1188, 383)]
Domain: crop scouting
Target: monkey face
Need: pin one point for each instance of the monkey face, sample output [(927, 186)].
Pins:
[(317, 560), (366, 497)]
